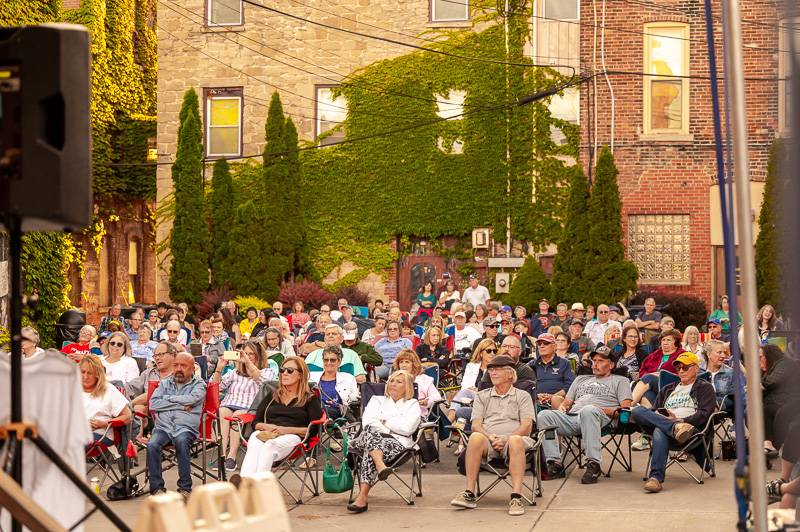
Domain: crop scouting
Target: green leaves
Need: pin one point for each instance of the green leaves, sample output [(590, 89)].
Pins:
[(529, 286), (189, 241), (770, 280)]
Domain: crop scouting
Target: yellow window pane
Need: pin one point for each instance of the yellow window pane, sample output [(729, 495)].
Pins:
[(223, 141), (224, 112), (666, 104), (226, 11)]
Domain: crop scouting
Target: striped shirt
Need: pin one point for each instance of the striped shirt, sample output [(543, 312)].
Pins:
[(241, 391)]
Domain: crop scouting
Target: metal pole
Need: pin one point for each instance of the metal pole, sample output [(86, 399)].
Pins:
[(14, 224), (735, 81), (506, 14)]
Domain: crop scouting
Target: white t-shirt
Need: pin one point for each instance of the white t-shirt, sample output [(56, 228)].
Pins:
[(464, 338), (125, 369), (107, 406), (680, 403), (476, 296)]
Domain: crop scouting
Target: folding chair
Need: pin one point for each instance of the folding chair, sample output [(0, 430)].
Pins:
[(208, 438), (412, 455), (499, 466), (301, 463), (704, 439), (101, 456), (612, 439)]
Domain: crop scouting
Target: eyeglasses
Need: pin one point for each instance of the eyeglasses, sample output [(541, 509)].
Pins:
[(683, 367), (172, 331), (492, 326), (392, 329), (512, 347), (543, 343), (331, 360), (205, 332), (287, 370), (116, 344), (632, 337), (160, 354), (602, 312), (490, 351)]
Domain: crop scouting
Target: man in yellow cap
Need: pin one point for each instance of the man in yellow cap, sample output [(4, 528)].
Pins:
[(680, 409)]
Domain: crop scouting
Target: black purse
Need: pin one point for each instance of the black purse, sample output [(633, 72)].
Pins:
[(427, 446)]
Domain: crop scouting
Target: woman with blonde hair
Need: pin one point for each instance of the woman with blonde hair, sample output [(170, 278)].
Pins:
[(388, 423), (427, 393), (691, 343), (282, 419), (103, 404), (432, 348), (484, 352), (118, 360)]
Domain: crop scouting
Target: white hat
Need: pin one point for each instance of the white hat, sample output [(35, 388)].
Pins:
[(577, 306), (460, 313), (350, 335)]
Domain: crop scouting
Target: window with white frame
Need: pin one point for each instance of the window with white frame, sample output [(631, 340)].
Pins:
[(562, 9), (330, 112), (450, 106), (224, 13), (449, 10), (659, 245), (223, 132), (788, 28), (666, 90)]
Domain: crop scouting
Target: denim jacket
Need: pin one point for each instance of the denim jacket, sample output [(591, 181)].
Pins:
[(168, 402), (723, 382)]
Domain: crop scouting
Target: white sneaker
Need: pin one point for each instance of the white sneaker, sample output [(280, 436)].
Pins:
[(516, 507), (642, 444)]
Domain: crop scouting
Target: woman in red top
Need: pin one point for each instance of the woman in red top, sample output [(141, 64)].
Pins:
[(661, 359)]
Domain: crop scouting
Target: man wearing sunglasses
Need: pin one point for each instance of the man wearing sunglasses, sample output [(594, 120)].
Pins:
[(680, 409), (491, 330), (553, 374)]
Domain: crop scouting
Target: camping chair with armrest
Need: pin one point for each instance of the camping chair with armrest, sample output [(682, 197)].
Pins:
[(499, 468), (208, 438), (112, 459), (412, 455)]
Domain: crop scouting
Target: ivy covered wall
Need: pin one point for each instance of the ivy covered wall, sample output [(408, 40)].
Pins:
[(359, 195), (123, 77)]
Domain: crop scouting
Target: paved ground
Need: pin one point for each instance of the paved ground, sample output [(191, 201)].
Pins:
[(618, 503)]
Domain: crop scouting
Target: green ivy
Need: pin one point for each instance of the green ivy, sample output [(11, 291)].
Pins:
[(361, 195)]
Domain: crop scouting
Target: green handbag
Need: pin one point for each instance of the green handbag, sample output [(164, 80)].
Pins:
[(334, 481)]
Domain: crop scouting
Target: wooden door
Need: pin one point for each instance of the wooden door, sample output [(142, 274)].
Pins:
[(414, 272)]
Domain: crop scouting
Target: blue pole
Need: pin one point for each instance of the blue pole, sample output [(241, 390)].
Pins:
[(730, 255)]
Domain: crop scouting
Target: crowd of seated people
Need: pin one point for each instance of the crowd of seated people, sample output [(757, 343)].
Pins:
[(586, 368)]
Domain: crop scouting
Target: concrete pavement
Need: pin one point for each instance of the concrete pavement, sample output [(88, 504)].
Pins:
[(618, 503)]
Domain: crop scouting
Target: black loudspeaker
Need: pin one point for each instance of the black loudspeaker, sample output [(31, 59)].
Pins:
[(45, 153)]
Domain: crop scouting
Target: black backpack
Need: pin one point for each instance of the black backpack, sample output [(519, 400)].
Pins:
[(125, 488)]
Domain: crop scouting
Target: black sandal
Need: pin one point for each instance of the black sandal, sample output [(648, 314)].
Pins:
[(354, 508), (385, 473)]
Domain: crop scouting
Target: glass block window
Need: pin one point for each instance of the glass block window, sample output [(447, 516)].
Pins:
[(659, 246)]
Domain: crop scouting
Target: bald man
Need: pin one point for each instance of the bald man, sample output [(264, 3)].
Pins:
[(178, 403)]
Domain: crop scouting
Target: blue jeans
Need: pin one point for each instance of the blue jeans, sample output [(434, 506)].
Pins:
[(661, 428), (651, 380), (182, 443)]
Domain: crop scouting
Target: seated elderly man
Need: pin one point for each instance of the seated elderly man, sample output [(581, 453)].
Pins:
[(591, 403), (512, 348), (502, 418), (680, 409), (553, 373), (351, 362), (177, 404)]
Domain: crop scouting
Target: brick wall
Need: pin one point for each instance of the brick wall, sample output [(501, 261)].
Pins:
[(674, 177)]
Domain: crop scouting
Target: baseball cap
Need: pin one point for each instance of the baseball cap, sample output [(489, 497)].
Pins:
[(578, 321), (460, 313), (687, 358), (546, 337), (713, 320), (577, 306), (489, 321), (544, 300), (501, 361), (614, 308), (605, 352), (349, 334), (505, 308)]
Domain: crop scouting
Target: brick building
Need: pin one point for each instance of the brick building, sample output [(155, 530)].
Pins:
[(663, 136), (236, 55)]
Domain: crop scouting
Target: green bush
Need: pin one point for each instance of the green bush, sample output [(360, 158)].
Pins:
[(245, 302), (609, 277), (570, 262), (221, 215), (529, 286), (769, 269)]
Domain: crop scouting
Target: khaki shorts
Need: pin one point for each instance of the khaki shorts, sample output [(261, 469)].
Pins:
[(528, 441)]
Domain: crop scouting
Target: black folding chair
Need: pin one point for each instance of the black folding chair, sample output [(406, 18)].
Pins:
[(412, 456), (498, 467)]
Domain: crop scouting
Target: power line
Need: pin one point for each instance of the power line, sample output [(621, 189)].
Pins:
[(524, 100), (338, 80), (400, 43)]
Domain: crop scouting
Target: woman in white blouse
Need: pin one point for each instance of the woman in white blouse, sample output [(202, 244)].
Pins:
[(427, 393), (473, 373), (388, 423), (104, 404), (118, 360)]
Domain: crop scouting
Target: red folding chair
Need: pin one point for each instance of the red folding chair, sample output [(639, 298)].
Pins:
[(100, 455)]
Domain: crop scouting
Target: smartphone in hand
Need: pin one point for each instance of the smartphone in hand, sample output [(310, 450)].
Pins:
[(230, 355)]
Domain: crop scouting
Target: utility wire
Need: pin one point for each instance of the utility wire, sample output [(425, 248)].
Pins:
[(524, 100), (338, 80), (401, 43)]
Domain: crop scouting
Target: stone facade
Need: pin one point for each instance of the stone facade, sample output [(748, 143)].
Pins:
[(672, 175)]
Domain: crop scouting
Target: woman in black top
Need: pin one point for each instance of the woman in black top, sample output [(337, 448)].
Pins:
[(432, 349), (281, 420), (780, 376)]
